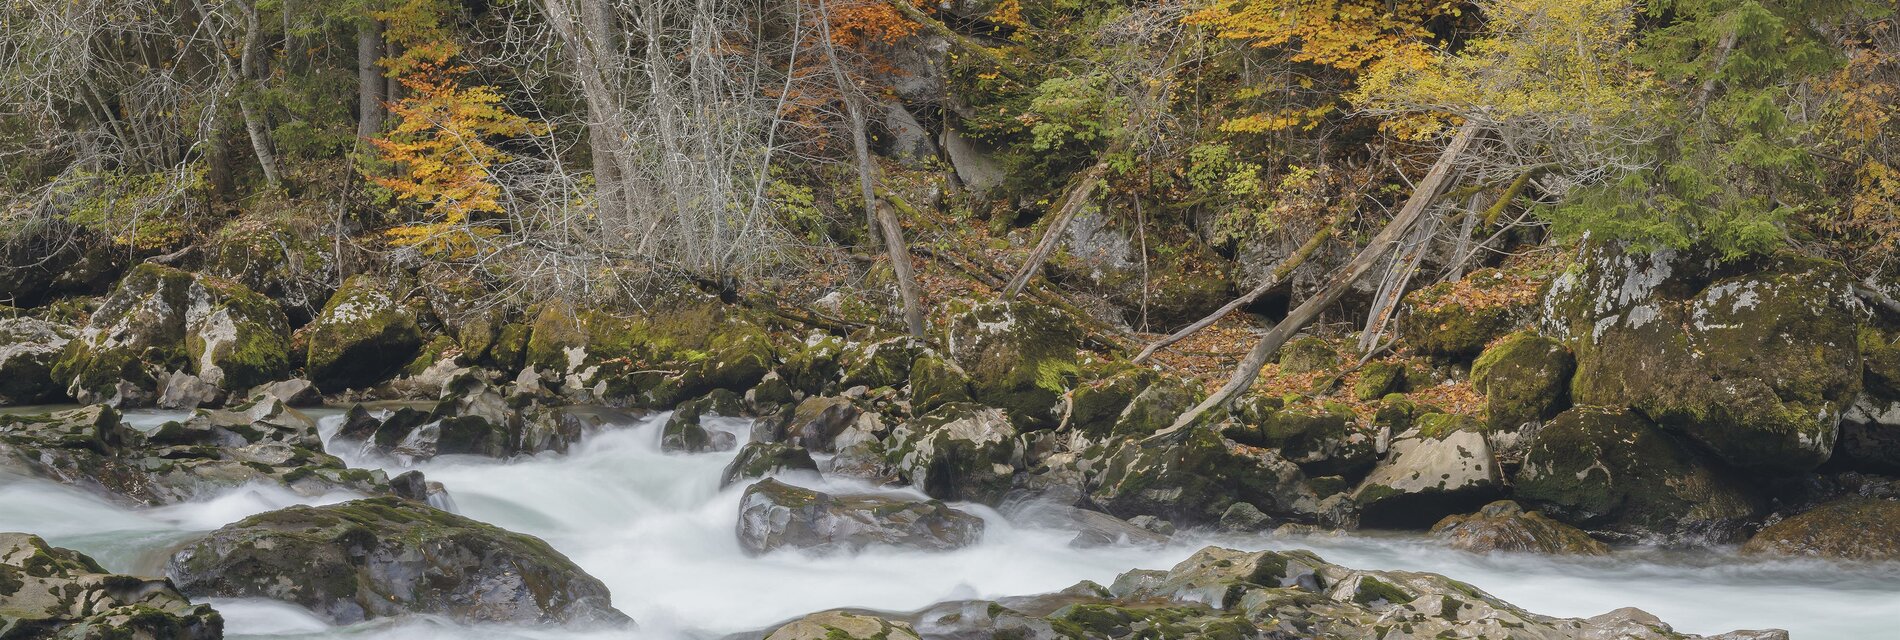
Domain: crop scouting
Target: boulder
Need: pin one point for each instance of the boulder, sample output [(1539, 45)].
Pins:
[(1853, 528), (1524, 378), (364, 335), (774, 515), (1455, 320), (684, 433), (53, 593), (285, 256), (841, 625), (1612, 470), (683, 346), (42, 259), (28, 350), (1754, 360), (1154, 408), (936, 381), (1021, 357), (879, 364), (961, 451), (1092, 529), (1442, 466), (236, 338), (382, 557), (761, 459), (1505, 526), (1306, 354), (1195, 479), (1870, 430), (1095, 406), (1323, 441), (818, 421), (180, 390)]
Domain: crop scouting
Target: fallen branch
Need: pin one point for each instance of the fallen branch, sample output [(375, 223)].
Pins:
[(1875, 296), (1277, 276)]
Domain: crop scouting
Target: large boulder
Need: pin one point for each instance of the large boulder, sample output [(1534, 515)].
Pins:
[(1442, 466), (1870, 431), (288, 257), (961, 451), (236, 338), (1505, 526), (28, 350), (681, 348), (1754, 360), (1613, 470), (58, 594), (1455, 320), (1853, 528), (774, 515), (761, 459), (382, 557), (1323, 441), (1195, 479), (363, 336), (1020, 357), (1524, 378)]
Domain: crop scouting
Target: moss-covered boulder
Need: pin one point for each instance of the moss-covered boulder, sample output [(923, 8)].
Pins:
[(1155, 407), (1755, 360), (1524, 377), (364, 335), (59, 594), (1306, 354), (29, 348), (1613, 470), (761, 459), (1380, 379), (1195, 479), (961, 451), (1870, 430), (774, 515), (382, 557), (1455, 320), (936, 381), (1505, 526), (1441, 466), (1095, 406), (682, 347), (285, 255), (137, 330), (880, 364), (1853, 528), (462, 301), (1323, 441), (842, 625), (235, 337), (1020, 356)]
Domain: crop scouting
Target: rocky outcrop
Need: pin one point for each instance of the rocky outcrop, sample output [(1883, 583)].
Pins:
[(1444, 465), (384, 557), (774, 515), (1613, 470), (1524, 378), (58, 594), (471, 417), (363, 336), (28, 350), (1870, 430), (1197, 478), (961, 451), (213, 452), (1505, 526), (1455, 320), (1854, 528), (1755, 361), (1021, 357)]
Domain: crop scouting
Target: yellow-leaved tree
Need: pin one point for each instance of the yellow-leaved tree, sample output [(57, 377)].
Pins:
[(440, 154)]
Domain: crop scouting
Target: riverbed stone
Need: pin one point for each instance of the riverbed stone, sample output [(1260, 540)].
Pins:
[(842, 625), (382, 557), (774, 515), (29, 347), (364, 335), (1854, 528), (1444, 465), (51, 593), (1021, 357), (1525, 377), (761, 459), (961, 451), (1195, 479), (1505, 526)]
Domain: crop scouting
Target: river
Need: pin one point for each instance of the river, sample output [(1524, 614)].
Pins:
[(656, 528)]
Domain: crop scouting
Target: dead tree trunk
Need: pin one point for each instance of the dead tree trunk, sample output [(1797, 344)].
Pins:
[(1336, 286), (1274, 279), (1071, 205)]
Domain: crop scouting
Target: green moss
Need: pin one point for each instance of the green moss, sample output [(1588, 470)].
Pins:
[(1307, 353), (1373, 591), (363, 335), (1524, 377)]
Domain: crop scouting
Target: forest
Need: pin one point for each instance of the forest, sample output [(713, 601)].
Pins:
[(508, 318)]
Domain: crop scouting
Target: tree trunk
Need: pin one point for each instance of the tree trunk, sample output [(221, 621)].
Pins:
[(370, 83), (1071, 205), (1277, 276), (1269, 344), (588, 38)]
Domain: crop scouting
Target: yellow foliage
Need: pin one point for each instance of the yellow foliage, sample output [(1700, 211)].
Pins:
[(1350, 35)]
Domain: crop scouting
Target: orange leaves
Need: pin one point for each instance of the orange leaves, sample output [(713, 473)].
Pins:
[(856, 22)]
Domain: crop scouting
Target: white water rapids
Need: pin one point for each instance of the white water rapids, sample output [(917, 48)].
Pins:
[(658, 531)]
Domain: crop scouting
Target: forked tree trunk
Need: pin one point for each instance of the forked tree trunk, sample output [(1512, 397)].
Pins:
[(1336, 286)]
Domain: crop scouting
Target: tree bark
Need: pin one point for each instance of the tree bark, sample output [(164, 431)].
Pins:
[(370, 83), (1071, 205), (1277, 276), (1269, 344)]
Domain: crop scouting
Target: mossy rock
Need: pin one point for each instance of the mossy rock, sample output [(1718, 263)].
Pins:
[(29, 347), (960, 451), (1614, 470), (283, 255), (139, 327), (1754, 360), (1525, 377), (761, 459), (1197, 478), (1443, 465), (683, 347), (237, 339), (1444, 324), (1880, 360), (814, 366), (1323, 441), (840, 625), (363, 336), (1853, 528), (1021, 357), (1306, 354), (880, 364), (43, 260), (51, 593), (1379, 379), (936, 381), (1096, 406), (1154, 408)]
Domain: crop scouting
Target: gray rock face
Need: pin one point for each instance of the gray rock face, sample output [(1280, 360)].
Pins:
[(28, 350), (53, 593), (961, 451), (1428, 474), (383, 557), (213, 452), (774, 515)]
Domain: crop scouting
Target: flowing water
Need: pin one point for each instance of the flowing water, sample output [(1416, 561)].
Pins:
[(657, 529)]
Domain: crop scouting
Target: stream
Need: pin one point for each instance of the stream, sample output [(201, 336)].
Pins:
[(656, 528)]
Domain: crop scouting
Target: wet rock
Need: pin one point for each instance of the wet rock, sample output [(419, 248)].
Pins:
[(28, 350), (880, 364), (1196, 479), (363, 336), (1440, 467), (296, 392), (817, 421), (840, 625), (53, 593), (1504, 526), (1155, 407), (1093, 528), (180, 390), (761, 459), (1525, 377), (1096, 406), (1853, 528), (1754, 360), (1245, 518), (1021, 357), (211, 453), (961, 451), (1613, 470), (684, 433), (774, 515), (682, 347), (384, 557)]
